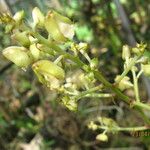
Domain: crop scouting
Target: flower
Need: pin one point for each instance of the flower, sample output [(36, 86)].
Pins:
[(124, 83), (60, 28), (18, 55), (38, 17), (126, 52), (146, 69), (22, 38), (49, 73), (102, 137)]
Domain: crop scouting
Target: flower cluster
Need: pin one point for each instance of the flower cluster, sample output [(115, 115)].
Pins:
[(30, 51)]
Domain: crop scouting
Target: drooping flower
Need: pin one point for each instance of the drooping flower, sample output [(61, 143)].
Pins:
[(18, 55), (59, 27), (22, 38), (146, 69), (49, 73), (38, 17)]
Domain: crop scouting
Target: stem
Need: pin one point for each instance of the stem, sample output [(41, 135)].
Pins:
[(125, 72), (99, 95), (141, 105), (124, 128), (84, 93), (57, 60), (136, 89), (100, 77)]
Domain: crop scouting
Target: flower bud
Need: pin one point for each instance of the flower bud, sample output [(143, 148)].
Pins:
[(70, 103), (19, 16), (22, 38), (59, 27), (17, 55), (125, 52), (102, 137), (124, 83), (48, 73), (38, 17), (139, 49), (146, 69), (92, 125), (94, 63), (34, 51), (143, 60)]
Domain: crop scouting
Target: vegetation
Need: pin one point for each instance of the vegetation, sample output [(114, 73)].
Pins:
[(87, 103)]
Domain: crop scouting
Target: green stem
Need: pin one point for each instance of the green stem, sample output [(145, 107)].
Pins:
[(99, 95), (84, 93), (136, 89), (125, 72), (124, 128), (141, 105), (100, 77)]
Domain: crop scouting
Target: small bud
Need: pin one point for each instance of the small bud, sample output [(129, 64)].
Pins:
[(22, 38), (92, 126), (70, 103), (139, 49), (19, 16), (59, 27), (94, 63), (124, 83), (107, 122), (17, 55), (125, 52), (9, 28), (38, 17), (48, 73), (34, 51), (143, 60), (146, 69), (102, 137)]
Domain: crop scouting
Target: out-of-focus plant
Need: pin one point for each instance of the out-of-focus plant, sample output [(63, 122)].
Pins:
[(46, 45)]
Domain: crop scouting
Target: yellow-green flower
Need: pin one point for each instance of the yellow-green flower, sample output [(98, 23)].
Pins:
[(22, 38), (146, 69), (60, 28), (18, 55), (124, 83), (49, 73), (102, 137), (38, 17)]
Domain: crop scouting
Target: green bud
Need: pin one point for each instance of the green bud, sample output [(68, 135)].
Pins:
[(102, 137), (143, 60), (83, 47), (146, 69), (34, 51), (107, 122), (124, 83), (139, 49), (22, 38), (19, 16), (125, 52), (38, 17), (92, 125), (17, 55), (60, 28), (94, 63), (9, 28), (48, 73), (70, 103)]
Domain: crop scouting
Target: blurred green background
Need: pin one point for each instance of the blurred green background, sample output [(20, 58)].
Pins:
[(29, 113)]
